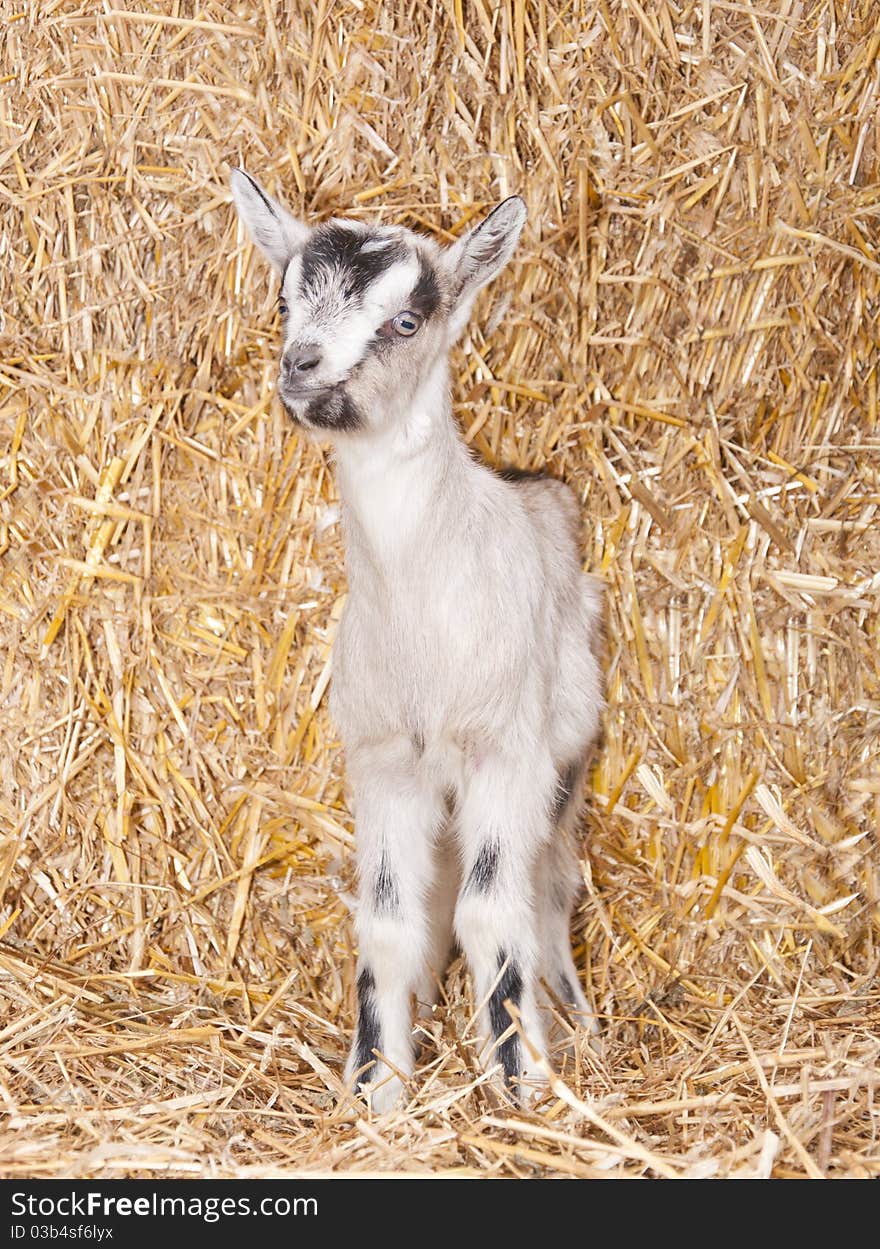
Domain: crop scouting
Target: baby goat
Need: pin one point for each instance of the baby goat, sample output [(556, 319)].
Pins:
[(466, 684)]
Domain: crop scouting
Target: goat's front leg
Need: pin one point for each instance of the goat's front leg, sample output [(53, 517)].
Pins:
[(504, 823), (397, 813)]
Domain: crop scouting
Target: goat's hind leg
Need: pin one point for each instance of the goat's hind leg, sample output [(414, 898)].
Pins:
[(396, 814), (441, 908), (558, 884)]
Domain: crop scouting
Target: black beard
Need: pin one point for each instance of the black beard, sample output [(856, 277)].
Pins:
[(335, 411)]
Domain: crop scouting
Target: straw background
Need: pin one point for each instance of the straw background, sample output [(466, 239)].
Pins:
[(688, 334)]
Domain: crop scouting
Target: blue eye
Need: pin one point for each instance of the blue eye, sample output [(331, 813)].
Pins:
[(282, 307), (406, 323)]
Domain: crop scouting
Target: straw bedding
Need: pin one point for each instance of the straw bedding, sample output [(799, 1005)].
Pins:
[(689, 335)]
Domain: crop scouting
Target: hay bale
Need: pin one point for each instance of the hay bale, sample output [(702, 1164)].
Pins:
[(689, 336)]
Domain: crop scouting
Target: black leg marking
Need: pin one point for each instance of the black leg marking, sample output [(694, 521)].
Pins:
[(368, 1037), (385, 895), (509, 988), (485, 868), (513, 474), (566, 992), (565, 786)]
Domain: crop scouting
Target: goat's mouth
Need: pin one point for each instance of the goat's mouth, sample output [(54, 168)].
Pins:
[(328, 408), (303, 393)]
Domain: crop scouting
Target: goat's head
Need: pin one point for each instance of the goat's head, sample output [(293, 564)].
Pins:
[(369, 311)]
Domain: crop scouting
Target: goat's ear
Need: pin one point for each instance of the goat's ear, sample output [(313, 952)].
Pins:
[(270, 225), (477, 257)]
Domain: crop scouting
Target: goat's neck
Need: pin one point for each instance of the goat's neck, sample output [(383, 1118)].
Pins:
[(396, 484)]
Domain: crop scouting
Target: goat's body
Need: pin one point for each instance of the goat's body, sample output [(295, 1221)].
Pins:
[(466, 685), (465, 670), (468, 624)]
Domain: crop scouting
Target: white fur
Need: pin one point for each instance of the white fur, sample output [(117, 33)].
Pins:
[(271, 226), (465, 665)]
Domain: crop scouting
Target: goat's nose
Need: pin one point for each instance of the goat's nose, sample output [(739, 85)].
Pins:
[(298, 360)]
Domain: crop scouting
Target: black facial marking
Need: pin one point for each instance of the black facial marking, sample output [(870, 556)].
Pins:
[(424, 299), (385, 895), (509, 988), (339, 248), (368, 1023), (565, 786), (425, 295), (335, 410), (485, 868), (379, 344)]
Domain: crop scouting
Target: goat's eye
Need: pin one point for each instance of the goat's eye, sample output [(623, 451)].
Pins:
[(406, 323), (282, 307)]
